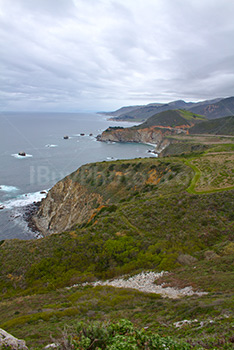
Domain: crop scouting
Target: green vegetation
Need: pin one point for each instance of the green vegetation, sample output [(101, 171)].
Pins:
[(220, 126), (192, 116), (171, 118), (117, 336), (174, 214)]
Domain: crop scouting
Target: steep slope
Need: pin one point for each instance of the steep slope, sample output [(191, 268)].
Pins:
[(81, 195), (219, 109), (220, 126)]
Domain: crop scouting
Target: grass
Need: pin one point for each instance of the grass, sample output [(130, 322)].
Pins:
[(213, 173), (160, 223)]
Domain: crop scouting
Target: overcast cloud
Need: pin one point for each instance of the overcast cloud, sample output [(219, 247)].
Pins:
[(72, 55)]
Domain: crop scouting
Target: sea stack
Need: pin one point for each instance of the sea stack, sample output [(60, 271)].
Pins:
[(22, 154)]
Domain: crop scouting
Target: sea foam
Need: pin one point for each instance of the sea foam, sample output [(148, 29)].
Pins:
[(51, 146), (24, 199), (16, 155), (5, 188)]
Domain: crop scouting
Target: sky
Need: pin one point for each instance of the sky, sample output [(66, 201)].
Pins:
[(100, 55)]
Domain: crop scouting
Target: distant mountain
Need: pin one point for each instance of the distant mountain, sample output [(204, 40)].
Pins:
[(214, 108), (121, 111), (142, 113), (219, 126), (221, 108)]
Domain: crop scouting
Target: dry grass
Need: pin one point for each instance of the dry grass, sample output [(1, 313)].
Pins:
[(216, 171)]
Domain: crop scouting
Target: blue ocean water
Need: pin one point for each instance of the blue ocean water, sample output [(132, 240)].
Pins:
[(49, 158)]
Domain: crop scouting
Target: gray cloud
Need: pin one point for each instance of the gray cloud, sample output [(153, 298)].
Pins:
[(101, 54)]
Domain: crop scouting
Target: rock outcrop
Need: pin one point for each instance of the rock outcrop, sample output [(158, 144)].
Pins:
[(22, 154), (79, 197), (155, 130), (153, 135), (11, 342), (67, 203)]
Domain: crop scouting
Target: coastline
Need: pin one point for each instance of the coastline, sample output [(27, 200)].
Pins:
[(29, 211)]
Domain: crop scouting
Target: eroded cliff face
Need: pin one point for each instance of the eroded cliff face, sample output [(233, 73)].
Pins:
[(79, 197), (154, 135), (66, 204)]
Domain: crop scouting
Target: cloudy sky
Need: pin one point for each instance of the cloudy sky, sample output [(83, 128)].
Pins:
[(73, 55)]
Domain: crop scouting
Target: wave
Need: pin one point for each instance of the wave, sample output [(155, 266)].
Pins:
[(5, 188), (24, 199), (51, 146), (16, 155)]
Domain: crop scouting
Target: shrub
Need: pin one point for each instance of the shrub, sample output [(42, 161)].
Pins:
[(117, 336)]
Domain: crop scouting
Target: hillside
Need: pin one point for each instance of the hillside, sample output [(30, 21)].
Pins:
[(155, 130), (173, 118), (220, 126), (142, 113), (121, 220), (171, 214), (81, 195), (219, 109), (216, 108), (121, 110)]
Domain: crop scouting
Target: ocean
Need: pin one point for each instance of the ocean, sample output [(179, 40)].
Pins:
[(49, 158)]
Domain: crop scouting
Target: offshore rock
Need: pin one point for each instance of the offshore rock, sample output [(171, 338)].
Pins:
[(22, 154)]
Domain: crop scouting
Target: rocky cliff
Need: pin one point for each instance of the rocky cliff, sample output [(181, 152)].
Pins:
[(155, 130), (153, 135), (80, 196), (68, 202)]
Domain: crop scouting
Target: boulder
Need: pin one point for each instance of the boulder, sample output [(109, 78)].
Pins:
[(23, 154), (1, 207), (8, 340)]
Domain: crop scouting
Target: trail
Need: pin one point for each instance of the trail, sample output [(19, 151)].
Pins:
[(196, 178)]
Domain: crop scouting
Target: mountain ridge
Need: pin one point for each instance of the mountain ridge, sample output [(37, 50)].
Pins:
[(214, 108)]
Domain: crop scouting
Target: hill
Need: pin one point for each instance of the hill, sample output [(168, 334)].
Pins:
[(222, 108), (144, 112), (216, 108), (170, 214), (121, 111), (172, 118), (220, 126), (155, 130)]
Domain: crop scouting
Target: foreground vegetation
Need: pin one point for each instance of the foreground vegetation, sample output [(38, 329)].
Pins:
[(153, 221)]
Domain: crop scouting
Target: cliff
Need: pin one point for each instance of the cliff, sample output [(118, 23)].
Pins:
[(83, 194), (154, 135), (67, 203), (155, 130)]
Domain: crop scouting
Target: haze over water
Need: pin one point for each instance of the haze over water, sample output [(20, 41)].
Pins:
[(49, 158)]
